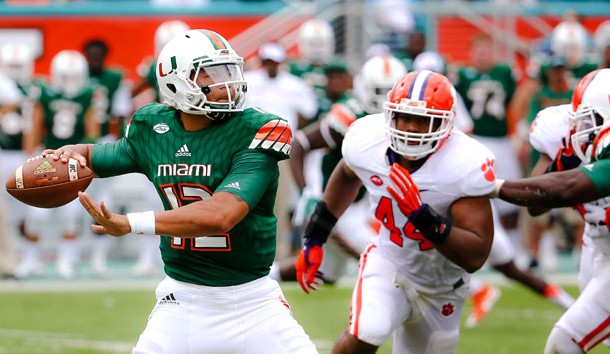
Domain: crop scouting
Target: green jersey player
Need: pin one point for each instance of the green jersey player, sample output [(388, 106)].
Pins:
[(214, 164), (115, 98), (65, 114), (316, 44)]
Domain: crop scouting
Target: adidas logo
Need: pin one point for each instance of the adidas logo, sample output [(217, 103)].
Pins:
[(169, 299), (44, 167), (183, 151), (233, 185)]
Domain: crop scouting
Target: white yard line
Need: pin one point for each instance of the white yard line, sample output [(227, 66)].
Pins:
[(125, 284), (11, 286), (64, 340)]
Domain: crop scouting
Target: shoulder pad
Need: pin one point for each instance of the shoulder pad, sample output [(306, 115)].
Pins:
[(340, 118)]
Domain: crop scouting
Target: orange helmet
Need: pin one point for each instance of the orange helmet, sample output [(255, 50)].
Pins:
[(428, 95)]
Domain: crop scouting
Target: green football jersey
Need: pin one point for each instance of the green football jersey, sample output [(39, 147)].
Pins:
[(13, 123), (108, 82), (599, 170), (314, 76), (341, 115), (64, 118), (486, 96), (238, 155), (574, 73)]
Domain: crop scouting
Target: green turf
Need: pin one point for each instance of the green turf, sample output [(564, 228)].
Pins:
[(109, 322)]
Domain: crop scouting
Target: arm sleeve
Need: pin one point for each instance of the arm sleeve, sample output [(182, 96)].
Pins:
[(598, 173), (251, 175), (114, 159)]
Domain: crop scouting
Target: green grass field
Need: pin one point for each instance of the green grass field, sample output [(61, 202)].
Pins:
[(100, 321)]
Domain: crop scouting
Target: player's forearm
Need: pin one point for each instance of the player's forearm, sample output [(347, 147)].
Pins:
[(203, 218), (543, 163), (81, 149), (465, 248), (553, 190)]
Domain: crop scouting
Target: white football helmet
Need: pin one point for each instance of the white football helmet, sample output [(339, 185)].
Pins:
[(602, 36), (427, 95), (591, 109), (180, 63), (430, 61), (166, 31), (17, 61), (569, 39), (69, 73), (316, 41), (377, 77)]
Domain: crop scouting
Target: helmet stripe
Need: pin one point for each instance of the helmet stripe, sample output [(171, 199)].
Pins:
[(581, 87), (386, 66), (216, 40), (419, 85)]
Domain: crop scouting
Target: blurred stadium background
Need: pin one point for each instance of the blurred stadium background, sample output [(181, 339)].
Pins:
[(49, 315)]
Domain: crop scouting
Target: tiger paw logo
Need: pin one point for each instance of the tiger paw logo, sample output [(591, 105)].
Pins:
[(488, 170), (447, 309), (43, 168)]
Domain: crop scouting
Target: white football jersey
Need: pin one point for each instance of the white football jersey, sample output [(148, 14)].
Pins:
[(462, 167), (551, 125)]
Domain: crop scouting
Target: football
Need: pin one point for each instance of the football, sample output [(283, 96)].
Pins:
[(45, 183)]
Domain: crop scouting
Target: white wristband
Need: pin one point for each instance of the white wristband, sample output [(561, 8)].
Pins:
[(142, 223), (497, 186)]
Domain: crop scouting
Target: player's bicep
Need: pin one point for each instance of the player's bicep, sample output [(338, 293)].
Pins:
[(342, 188), (473, 214), (251, 176)]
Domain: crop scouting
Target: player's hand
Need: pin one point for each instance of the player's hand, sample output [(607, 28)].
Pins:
[(432, 225), (597, 215), (407, 196), (109, 223), (565, 159), (308, 264), (65, 153)]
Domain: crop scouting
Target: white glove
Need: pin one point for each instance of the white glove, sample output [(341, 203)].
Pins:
[(595, 214)]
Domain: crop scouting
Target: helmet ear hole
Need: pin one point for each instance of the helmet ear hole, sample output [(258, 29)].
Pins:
[(171, 87)]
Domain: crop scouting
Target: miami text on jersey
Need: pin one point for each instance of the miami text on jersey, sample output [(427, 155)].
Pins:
[(183, 169)]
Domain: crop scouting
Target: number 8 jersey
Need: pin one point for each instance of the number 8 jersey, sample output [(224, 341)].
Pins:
[(461, 168), (238, 155)]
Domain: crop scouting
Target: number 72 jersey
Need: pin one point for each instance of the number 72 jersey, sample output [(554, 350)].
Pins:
[(462, 167)]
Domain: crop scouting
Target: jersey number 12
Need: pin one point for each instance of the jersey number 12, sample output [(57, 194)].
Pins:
[(177, 195)]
